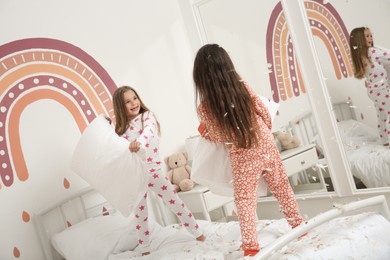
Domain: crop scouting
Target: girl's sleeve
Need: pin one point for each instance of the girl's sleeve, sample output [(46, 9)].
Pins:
[(260, 109), (204, 120), (149, 133), (381, 54)]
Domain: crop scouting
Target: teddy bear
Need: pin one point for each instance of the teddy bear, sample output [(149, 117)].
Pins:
[(285, 141), (180, 172)]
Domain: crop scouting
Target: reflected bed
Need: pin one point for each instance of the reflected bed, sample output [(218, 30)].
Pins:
[(369, 160)]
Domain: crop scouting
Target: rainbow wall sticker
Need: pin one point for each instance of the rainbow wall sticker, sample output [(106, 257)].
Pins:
[(41, 68), (285, 77)]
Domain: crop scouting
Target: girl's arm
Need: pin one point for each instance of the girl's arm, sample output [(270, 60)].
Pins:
[(381, 54), (149, 133), (203, 125), (260, 109)]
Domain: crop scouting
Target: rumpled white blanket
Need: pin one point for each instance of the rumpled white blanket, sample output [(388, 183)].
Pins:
[(102, 158), (361, 236), (369, 159)]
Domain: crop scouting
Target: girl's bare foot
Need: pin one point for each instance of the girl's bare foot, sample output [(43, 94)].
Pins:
[(201, 238)]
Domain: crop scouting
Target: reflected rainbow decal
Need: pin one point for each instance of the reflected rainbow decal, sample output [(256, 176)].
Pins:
[(41, 68), (285, 77)]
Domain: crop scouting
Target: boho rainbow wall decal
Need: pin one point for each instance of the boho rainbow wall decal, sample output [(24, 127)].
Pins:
[(41, 68), (285, 77)]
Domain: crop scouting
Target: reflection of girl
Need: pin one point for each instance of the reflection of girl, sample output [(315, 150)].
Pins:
[(368, 62), (233, 114)]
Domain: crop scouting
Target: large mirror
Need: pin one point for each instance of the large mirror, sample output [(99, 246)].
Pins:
[(331, 23), (256, 35)]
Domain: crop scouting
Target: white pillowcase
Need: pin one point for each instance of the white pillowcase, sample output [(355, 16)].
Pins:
[(102, 158), (354, 133), (95, 238)]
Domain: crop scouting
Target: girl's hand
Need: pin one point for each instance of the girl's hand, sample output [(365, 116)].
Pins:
[(134, 146), (202, 129), (108, 119)]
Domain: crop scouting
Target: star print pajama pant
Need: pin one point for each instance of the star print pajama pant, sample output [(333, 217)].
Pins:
[(381, 99), (246, 173), (160, 185)]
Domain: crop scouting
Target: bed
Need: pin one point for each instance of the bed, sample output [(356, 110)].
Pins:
[(369, 160), (86, 227)]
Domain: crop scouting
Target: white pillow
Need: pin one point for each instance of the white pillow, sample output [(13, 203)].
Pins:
[(354, 133), (272, 106), (103, 159), (93, 238)]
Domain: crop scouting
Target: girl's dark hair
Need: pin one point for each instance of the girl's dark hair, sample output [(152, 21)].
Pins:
[(224, 96), (121, 119), (359, 51)]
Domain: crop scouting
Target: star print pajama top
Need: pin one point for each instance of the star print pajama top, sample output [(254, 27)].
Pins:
[(247, 165), (378, 89), (144, 130)]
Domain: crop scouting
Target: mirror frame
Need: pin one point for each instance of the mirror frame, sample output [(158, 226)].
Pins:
[(302, 37), (300, 31)]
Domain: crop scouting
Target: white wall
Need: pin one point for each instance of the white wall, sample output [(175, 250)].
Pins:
[(136, 44)]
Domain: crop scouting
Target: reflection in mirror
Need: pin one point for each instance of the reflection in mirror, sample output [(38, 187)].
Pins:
[(258, 41), (355, 112)]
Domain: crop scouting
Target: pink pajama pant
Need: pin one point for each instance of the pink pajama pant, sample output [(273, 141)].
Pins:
[(381, 99), (247, 166)]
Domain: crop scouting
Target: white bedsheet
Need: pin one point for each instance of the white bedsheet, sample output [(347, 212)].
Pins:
[(369, 159), (371, 164), (361, 236)]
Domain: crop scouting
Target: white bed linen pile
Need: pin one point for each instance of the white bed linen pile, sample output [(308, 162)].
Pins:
[(371, 164), (369, 159)]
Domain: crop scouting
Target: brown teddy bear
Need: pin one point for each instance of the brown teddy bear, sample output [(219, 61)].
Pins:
[(285, 141), (179, 173)]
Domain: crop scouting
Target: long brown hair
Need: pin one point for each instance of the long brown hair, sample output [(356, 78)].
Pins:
[(359, 51), (223, 94), (121, 119)]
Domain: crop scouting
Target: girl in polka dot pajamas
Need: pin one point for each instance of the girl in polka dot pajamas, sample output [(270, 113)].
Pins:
[(232, 113), (136, 123), (368, 62)]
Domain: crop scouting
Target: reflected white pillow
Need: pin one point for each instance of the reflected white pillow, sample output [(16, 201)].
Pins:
[(354, 133), (94, 238)]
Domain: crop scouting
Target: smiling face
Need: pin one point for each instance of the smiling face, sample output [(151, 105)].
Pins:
[(368, 37), (133, 104)]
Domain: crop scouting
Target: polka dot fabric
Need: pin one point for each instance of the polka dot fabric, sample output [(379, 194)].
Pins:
[(247, 165), (378, 88)]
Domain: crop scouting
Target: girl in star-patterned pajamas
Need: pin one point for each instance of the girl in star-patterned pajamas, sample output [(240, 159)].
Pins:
[(368, 62), (136, 123), (232, 113)]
